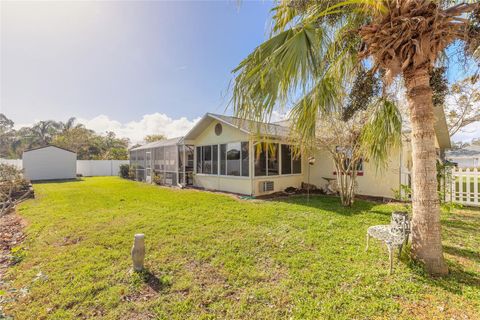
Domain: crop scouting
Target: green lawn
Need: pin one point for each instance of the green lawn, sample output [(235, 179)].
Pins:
[(211, 256)]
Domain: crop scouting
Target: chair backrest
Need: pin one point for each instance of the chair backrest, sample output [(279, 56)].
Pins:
[(400, 223)]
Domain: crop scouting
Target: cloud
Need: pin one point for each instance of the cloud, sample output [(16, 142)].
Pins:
[(156, 123)]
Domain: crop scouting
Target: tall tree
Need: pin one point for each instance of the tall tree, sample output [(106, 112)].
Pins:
[(317, 46), (154, 137)]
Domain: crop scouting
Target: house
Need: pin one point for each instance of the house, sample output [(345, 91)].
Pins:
[(468, 157), (49, 163), (234, 155)]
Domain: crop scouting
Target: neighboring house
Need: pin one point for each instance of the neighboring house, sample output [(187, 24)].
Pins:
[(468, 157), (229, 154), (49, 163)]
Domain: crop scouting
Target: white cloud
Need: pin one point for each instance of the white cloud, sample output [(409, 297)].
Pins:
[(156, 123)]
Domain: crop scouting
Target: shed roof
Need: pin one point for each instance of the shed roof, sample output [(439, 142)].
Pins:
[(160, 143), (48, 146)]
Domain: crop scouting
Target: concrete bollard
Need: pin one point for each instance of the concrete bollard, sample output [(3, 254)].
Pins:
[(138, 251)]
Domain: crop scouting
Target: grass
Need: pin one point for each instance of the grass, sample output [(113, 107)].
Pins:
[(211, 256)]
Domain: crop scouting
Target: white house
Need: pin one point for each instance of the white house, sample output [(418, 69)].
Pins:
[(49, 163), (468, 157), (230, 154)]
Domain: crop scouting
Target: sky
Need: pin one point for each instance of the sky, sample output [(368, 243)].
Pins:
[(132, 67)]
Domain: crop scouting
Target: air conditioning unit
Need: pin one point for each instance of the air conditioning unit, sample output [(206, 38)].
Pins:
[(266, 186)]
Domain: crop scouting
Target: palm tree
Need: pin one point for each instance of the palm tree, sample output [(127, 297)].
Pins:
[(318, 47)]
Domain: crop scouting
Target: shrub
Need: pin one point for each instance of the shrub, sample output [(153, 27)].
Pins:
[(125, 171), (13, 188)]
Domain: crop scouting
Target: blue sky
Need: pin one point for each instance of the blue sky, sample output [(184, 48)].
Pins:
[(123, 59), (132, 67)]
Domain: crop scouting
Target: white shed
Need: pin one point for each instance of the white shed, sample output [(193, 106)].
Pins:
[(49, 163)]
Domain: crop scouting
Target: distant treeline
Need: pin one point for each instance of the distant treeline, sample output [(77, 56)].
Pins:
[(70, 135)]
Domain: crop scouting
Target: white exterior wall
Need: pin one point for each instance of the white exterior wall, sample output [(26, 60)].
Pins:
[(49, 163), (374, 181), (234, 184), (94, 168)]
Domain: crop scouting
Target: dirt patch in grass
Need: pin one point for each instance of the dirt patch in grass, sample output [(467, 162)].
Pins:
[(11, 235)]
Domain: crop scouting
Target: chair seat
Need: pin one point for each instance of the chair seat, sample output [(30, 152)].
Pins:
[(382, 232)]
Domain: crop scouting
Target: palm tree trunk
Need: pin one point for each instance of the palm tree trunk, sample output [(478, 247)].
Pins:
[(426, 229)]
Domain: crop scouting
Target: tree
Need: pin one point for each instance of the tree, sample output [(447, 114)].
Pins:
[(7, 134), (318, 46), (349, 141), (463, 104), (154, 137)]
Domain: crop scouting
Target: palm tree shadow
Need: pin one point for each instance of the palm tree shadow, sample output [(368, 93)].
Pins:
[(455, 282), (331, 204)]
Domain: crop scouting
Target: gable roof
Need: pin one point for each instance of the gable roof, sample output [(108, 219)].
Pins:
[(160, 143), (48, 146), (246, 126)]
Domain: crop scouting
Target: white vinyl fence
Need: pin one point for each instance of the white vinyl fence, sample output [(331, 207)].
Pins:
[(465, 186), (93, 168), (14, 162), (87, 168)]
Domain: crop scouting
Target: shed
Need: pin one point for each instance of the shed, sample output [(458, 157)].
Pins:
[(49, 163)]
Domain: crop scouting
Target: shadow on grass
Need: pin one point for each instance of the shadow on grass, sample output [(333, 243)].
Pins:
[(331, 204), (463, 253), (155, 283), (454, 282), (57, 181)]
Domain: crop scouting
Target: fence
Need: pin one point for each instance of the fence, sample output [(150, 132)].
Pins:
[(465, 186), (87, 168), (14, 162), (92, 168)]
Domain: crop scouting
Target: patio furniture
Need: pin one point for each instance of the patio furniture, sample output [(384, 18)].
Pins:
[(395, 234)]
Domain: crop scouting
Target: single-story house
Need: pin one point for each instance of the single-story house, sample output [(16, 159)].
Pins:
[(49, 163), (468, 157), (225, 153)]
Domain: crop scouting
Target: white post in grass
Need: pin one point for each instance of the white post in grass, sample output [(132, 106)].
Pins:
[(138, 252)]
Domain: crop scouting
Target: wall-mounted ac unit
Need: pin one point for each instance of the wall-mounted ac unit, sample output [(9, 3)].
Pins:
[(266, 186)]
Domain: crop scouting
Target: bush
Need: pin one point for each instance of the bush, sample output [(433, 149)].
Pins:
[(13, 188), (125, 171)]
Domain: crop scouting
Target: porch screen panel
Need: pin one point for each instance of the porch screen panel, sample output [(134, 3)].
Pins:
[(273, 163), (286, 159), (199, 160), (207, 159), (215, 159), (233, 159), (245, 159), (223, 159), (260, 160)]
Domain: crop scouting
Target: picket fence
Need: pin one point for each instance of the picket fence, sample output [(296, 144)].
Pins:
[(465, 186), (86, 168)]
